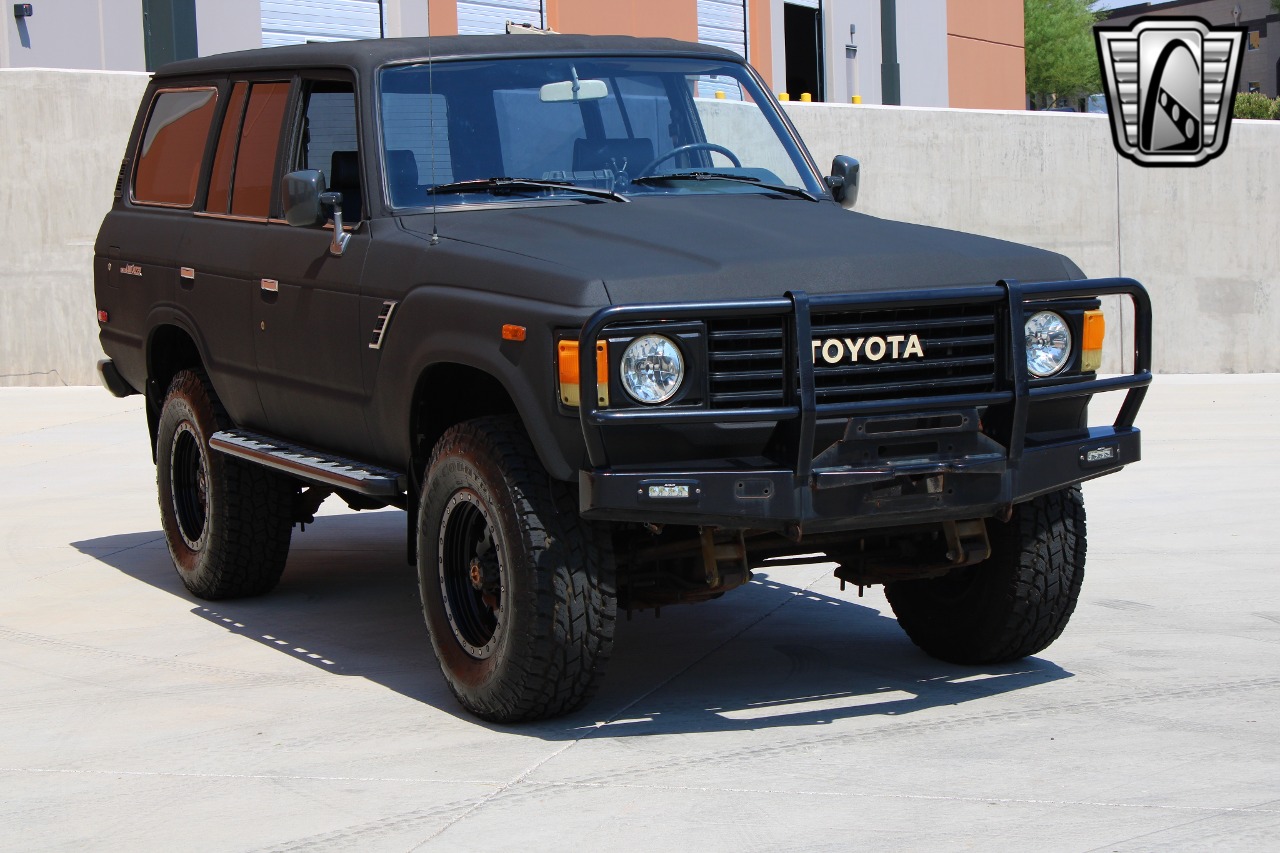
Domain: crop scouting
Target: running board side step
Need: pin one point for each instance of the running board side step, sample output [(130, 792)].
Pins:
[(313, 465)]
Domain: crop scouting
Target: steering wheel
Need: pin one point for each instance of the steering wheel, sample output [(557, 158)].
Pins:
[(684, 149)]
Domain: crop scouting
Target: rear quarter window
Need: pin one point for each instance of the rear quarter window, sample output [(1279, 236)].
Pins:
[(172, 147)]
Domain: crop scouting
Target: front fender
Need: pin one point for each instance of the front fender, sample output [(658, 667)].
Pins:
[(436, 325)]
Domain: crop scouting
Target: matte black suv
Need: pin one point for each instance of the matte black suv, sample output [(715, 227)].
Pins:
[(586, 309)]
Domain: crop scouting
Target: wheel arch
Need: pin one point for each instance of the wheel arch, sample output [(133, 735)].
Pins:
[(471, 392), (170, 348)]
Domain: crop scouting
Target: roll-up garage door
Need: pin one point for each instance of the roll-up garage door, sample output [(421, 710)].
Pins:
[(479, 17), (301, 21), (722, 23)]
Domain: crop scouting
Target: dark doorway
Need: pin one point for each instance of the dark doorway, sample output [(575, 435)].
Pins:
[(802, 28), (168, 31)]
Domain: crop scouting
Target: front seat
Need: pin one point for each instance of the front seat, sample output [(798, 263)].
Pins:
[(344, 177)]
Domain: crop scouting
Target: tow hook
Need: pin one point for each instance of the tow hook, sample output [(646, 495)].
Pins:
[(967, 542)]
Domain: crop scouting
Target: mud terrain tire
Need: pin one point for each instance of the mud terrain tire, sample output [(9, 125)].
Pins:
[(517, 590), (227, 522), (1013, 604)]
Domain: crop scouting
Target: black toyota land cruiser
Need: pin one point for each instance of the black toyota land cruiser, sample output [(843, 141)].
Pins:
[(587, 310)]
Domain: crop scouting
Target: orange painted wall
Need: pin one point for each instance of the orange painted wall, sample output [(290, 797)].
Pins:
[(986, 55), (442, 17), (759, 46), (670, 18)]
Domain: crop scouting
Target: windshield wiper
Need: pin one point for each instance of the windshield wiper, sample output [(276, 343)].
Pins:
[(720, 176), (493, 185)]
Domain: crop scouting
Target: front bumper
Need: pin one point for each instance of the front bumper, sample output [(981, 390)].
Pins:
[(899, 462)]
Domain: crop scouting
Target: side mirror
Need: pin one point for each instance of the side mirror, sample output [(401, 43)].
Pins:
[(301, 192), (843, 180), (305, 200)]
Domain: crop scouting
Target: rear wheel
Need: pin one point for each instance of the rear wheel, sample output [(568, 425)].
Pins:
[(227, 522), (517, 590), (1011, 605)]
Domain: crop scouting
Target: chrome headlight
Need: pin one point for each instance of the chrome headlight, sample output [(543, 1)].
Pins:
[(1048, 343), (652, 369)]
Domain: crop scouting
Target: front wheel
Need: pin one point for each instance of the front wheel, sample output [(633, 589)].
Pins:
[(1011, 605), (517, 590)]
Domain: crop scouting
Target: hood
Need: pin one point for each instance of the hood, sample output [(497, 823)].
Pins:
[(733, 246)]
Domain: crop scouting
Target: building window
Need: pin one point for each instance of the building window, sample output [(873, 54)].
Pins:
[(1255, 40), (172, 147)]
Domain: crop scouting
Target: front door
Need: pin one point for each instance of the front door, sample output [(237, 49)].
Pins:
[(307, 304)]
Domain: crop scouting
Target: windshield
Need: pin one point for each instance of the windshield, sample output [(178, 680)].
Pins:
[(628, 126)]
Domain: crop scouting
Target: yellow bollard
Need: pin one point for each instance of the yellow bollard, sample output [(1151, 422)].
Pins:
[(806, 97), (857, 99), (783, 96), (720, 94)]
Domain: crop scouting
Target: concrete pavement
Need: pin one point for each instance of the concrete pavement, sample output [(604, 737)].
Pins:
[(786, 716)]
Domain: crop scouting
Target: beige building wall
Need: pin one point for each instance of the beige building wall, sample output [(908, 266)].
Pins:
[(986, 54)]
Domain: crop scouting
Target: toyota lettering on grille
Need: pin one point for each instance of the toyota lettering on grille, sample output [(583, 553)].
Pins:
[(875, 348)]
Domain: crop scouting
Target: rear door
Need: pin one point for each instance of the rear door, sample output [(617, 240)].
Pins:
[(218, 285)]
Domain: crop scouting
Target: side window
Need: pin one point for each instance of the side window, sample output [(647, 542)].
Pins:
[(329, 142), (256, 154), (172, 148), (219, 200)]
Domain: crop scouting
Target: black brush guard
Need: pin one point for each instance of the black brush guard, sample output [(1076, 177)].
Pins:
[(843, 487)]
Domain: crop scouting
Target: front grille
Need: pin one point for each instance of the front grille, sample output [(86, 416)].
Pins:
[(959, 343), (747, 362), (748, 368)]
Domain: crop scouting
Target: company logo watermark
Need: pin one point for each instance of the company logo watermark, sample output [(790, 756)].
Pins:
[(1170, 85)]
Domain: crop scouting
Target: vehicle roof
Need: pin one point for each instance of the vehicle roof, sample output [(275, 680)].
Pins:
[(369, 54)]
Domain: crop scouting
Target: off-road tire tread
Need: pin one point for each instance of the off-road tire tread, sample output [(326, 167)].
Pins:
[(250, 526), (1022, 597), (558, 665)]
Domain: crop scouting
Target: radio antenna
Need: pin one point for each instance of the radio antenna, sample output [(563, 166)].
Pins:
[(431, 132)]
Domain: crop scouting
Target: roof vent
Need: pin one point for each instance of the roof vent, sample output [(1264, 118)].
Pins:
[(514, 28)]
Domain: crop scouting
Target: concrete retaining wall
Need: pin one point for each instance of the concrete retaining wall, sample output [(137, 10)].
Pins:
[(1202, 240), (63, 135)]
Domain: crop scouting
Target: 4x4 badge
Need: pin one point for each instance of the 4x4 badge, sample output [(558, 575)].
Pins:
[(1170, 86)]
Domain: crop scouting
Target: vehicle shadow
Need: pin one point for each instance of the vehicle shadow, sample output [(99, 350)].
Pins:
[(770, 654)]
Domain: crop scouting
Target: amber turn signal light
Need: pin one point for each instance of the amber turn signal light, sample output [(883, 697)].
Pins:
[(570, 379), (1095, 329)]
